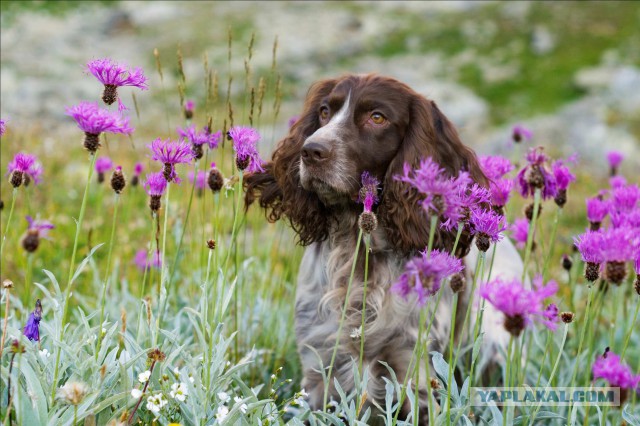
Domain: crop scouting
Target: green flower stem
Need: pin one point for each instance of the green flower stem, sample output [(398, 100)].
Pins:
[(107, 272), (553, 372), (507, 379), (632, 327), (163, 272), (458, 234), (154, 218), (549, 252), (451, 334), (367, 245), (14, 195), (67, 292), (532, 229), (184, 228), (419, 354), (582, 334), (478, 271), (342, 318), (27, 282)]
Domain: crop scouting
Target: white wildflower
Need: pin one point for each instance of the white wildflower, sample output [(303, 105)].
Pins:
[(73, 392), (144, 376), (243, 407), (191, 379), (44, 353), (222, 413), (136, 393), (155, 403), (179, 391), (224, 397)]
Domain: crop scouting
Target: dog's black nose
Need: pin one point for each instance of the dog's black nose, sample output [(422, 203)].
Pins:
[(314, 152)]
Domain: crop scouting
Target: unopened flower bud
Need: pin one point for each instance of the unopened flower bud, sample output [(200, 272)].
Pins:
[(118, 181), (567, 317)]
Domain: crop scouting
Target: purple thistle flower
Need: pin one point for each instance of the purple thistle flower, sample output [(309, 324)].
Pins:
[(214, 138), (171, 153), (552, 313), (93, 120), (423, 275), (155, 184), (42, 227), (562, 174), (520, 306), (615, 159), (609, 367), (368, 194), (114, 75), (193, 136), (500, 191), (189, 107), (597, 210), (624, 198), (293, 120), (520, 133), (589, 245), (495, 166), (535, 175), (617, 181), (32, 328), (520, 232), (138, 169), (442, 194), (103, 164), (244, 144), (23, 168), (618, 244), (3, 126), (201, 180), (487, 226), (629, 219), (142, 261)]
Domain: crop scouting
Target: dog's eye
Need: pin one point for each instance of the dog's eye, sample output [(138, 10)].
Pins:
[(377, 118), (324, 113)]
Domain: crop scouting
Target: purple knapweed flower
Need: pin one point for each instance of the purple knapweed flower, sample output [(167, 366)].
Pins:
[(520, 232), (200, 180), (171, 153), (617, 247), (551, 313), (615, 159), (293, 120), (103, 165), (244, 144), (189, 107), (155, 184), (469, 196), (368, 196), (520, 133), (617, 181), (589, 245), (142, 261), (441, 193), (500, 191), (114, 75), (36, 230), (536, 176), (3, 126), (624, 198), (597, 210), (521, 307), (137, 171), (609, 368), (563, 177), (23, 168), (487, 226), (214, 138), (495, 166), (93, 120), (198, 139), (629, 219), (423, 275), (32, 328)]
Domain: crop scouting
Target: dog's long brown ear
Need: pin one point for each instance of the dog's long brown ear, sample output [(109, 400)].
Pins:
[(279, 189), (430, 134)]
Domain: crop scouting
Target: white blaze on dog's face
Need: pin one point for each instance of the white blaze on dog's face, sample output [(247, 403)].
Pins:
[(361, 129)]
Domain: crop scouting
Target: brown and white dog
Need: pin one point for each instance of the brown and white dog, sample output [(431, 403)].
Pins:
[(349, 125)]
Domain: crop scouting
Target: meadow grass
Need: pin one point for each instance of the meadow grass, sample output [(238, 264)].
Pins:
[(214, 326)]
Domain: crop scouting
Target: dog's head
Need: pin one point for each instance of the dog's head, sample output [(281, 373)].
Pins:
[(349, 125)]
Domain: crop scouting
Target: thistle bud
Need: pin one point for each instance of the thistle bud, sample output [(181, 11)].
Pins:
[(118, 181)]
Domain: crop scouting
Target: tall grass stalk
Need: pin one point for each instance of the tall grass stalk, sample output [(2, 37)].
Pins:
[(367, 245), (67, 292), (553, 373), (552, 243), (107, 272), (342, 318), (532, 229), (632, 327), (14, 195)]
